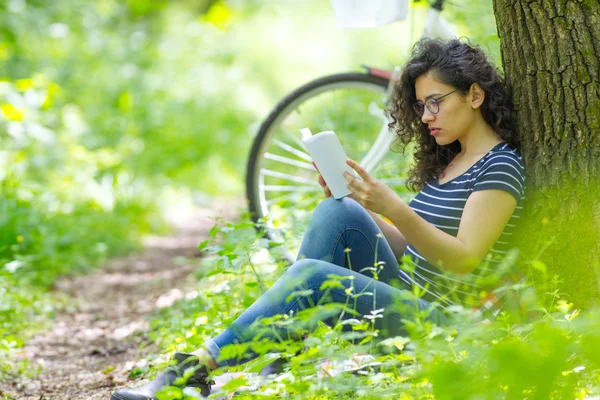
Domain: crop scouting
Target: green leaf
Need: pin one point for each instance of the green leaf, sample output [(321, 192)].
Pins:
[(170, 393), (108, 370), (235, 383), (540, 266), (299, 293), (213, 231), (214, 272), (203, 244), (329, 284), (134, 373)]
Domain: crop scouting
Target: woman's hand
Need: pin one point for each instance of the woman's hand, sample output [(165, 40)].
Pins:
[(322, 183), (370, 193)]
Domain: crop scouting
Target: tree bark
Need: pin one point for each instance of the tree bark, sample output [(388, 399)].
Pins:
[(551, 56)]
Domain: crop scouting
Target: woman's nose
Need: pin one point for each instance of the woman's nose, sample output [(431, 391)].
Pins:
[(427, 116)]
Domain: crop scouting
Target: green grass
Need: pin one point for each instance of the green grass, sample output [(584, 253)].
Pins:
[(551, 356)]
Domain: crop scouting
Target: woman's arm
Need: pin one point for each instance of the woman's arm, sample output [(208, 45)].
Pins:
[(484, 217), (395, 239)]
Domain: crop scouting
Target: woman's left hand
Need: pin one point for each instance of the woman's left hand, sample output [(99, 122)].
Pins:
[(370, 193)]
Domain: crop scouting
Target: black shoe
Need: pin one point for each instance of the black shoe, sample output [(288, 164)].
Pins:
[(199, 379), (276, 367)]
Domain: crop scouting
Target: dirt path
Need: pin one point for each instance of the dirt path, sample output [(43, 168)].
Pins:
[(95, 333)]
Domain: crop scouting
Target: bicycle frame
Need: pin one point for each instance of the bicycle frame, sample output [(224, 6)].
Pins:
[(384, 138)]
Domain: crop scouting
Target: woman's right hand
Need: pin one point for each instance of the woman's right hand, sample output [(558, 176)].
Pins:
[(322, 183)]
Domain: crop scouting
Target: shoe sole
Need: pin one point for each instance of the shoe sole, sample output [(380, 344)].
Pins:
[(116, 396)]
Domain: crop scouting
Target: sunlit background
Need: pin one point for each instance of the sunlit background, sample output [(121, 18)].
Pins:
[(115, 113)]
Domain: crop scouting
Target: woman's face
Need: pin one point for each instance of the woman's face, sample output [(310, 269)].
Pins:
[(454, 115)]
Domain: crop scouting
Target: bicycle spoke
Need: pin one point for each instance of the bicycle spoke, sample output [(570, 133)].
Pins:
[(289, 161), (282, 188), (293, 137), (289, 177), (292, 145), (299, 153)]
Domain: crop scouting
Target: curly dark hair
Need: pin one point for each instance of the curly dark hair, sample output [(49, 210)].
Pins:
[(459, 65)]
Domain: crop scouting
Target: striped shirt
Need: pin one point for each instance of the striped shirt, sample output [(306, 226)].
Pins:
[(442, 206)]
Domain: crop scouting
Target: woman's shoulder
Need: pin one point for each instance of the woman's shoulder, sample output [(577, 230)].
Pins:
[(502, 169), (504, 153)]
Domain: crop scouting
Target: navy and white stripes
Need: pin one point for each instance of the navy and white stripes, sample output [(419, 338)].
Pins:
[(442, 205)]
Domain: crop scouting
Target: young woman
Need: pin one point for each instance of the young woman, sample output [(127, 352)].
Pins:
[(455, 107)]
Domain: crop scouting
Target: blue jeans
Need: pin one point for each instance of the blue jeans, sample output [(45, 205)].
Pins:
[(341, 240)]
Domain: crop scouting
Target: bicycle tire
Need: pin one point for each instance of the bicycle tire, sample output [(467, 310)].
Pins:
[(283, 109)]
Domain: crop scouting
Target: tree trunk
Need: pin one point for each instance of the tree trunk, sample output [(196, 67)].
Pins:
[(551, 56)]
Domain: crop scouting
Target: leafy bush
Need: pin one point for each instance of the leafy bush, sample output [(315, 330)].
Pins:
[(93, 126), (64, 208)]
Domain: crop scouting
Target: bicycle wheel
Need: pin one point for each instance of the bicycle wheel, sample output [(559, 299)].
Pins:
[(281, 183)]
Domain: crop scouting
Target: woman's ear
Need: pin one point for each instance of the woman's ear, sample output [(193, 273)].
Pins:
[(477, 95)]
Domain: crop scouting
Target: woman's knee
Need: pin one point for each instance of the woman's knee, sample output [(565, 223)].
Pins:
[(342, 210), (305, 266), (309, 270)]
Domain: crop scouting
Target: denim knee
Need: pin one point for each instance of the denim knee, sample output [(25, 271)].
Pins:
[(309, 272), (303, 269), (343, 210)]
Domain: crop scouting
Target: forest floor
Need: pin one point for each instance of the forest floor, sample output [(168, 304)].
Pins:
[(102, 333)]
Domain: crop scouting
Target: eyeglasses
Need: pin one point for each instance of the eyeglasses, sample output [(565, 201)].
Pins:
[(431, 103)]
